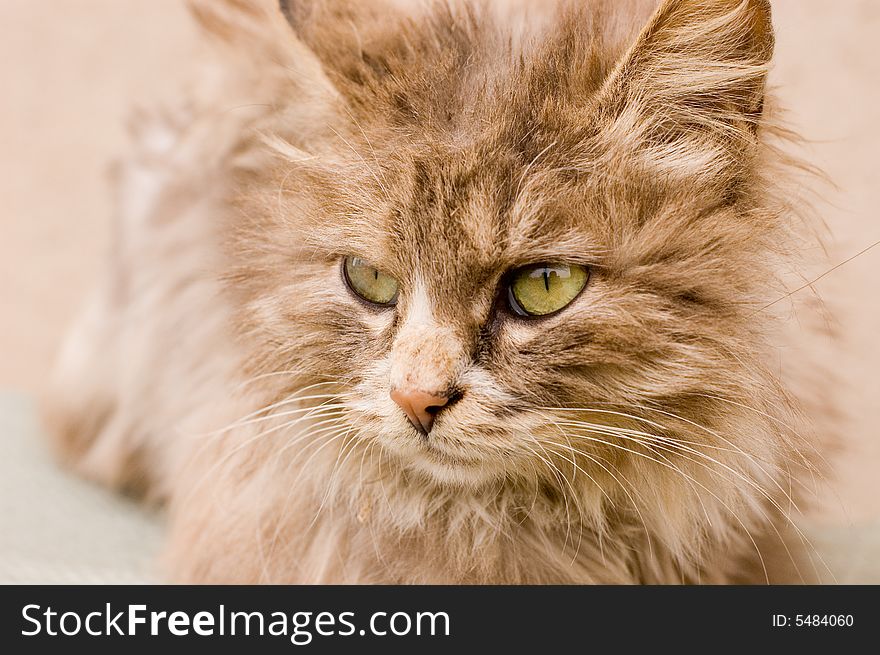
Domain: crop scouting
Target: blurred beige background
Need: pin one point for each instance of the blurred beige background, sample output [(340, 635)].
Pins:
[(71, 70)]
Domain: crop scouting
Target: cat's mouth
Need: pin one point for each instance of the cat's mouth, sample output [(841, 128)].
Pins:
[(443, 456), (449, 467)]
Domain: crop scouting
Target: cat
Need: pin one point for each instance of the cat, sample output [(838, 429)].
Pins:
[(451, 292)]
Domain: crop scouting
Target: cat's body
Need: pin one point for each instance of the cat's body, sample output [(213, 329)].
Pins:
[(637, 435)]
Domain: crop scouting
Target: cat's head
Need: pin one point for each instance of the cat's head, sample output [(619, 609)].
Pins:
[(505, 251)]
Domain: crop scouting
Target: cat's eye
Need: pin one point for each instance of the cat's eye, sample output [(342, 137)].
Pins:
[(369, 282), (542, 289)]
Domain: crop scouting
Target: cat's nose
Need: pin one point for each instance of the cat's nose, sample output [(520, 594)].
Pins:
[(420, 407)]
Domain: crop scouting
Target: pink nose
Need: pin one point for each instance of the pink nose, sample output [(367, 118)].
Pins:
[(420, 407)]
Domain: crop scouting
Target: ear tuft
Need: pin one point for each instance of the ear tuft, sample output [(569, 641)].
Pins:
[(294, 11), (286, 9), (693, 82), (339, 31), (712, 51)]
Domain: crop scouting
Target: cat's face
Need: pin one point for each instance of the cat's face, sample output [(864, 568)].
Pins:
[(507, 260)]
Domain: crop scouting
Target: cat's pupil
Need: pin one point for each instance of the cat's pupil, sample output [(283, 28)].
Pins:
[(547, 279)]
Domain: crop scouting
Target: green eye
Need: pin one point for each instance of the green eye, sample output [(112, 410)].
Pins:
[(542, 289), (369, 282)]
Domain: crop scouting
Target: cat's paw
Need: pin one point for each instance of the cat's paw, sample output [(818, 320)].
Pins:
[(80, 406)]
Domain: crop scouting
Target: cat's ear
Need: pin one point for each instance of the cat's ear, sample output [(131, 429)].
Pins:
[(352, 38), (695, 74)]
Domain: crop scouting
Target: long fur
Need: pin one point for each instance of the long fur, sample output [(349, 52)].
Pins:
[(637, 436)]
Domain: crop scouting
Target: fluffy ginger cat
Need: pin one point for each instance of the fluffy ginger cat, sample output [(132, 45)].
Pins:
[(451, 292)]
